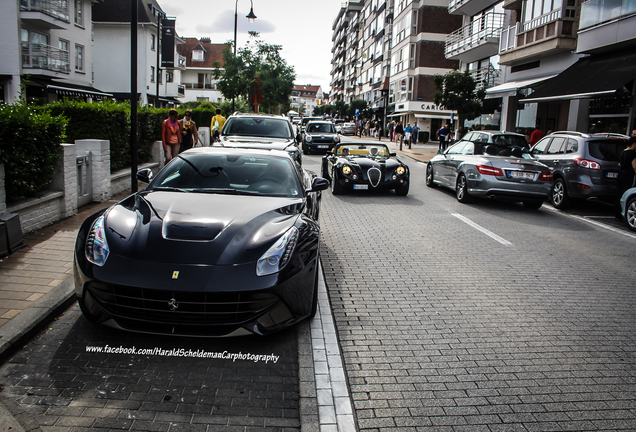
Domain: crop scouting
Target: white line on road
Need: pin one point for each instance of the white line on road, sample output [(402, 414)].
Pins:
[(590, 221), (490, 234)]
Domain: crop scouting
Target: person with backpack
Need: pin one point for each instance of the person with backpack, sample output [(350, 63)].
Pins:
[(216, 125)]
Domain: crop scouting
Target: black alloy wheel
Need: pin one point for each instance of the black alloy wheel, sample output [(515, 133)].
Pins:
[(430, 179)]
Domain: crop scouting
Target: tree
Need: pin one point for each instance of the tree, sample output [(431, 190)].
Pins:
[(362, 106), (258, 62), (456, 91)]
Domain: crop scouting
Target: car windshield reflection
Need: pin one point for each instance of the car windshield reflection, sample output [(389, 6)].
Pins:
[(373, 151), (229, 174)]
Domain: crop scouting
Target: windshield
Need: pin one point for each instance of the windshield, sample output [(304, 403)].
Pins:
[(509, 140), (375, 151), (320, 127), (230, 173), (257, 127)]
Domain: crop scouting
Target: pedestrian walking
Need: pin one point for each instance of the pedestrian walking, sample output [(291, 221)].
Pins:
[(399, 133), (626, 174), (189, 131), (416, 131), (536, 135), (216, 125), (171, 135), (442, 133), (407, 134)]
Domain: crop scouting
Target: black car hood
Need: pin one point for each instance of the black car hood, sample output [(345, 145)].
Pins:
[(196, 228), (366, 162), (256, 142)]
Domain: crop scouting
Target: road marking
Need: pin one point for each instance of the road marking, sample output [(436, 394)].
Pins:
[(490, 234), (421, 163), (590, 221)]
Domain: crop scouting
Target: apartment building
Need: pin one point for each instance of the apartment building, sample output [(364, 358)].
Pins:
[(159, 65), (198, 77), (47, 48), (569, 66), (400, 48), (306, 96)]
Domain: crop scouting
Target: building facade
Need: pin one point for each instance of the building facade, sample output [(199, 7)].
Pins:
[(198, 77), (47, 48), (305, 98), (157, 84)]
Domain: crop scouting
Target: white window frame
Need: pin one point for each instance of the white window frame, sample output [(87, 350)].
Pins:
[(79, 58), (79, 13)]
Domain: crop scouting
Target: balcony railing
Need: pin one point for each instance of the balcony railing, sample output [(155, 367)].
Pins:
[(54, 8), (508, 39), (594, 12), (39, 56), (478, 32), (200, 86), (486, 77), (543, 19)]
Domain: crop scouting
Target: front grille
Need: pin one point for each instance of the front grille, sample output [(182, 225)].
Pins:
[(322, 140), (374, 175), (176, 307)]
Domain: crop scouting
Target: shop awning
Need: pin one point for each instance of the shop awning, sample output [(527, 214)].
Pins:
[(77, 92), (589, 77), (434, 116), (510, 88)]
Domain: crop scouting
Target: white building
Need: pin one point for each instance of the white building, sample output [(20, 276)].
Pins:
[(50, 43), (111, 23), (306, 96), (198, 77)]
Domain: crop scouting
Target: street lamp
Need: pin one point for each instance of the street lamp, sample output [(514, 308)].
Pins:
[(251, 17)]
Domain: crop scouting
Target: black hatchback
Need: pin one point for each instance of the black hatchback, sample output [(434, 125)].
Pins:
[(585, 166), (320, 136)]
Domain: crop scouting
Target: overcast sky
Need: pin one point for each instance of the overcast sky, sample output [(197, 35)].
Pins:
[(302, 27)]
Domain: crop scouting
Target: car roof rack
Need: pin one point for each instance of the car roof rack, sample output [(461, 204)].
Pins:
[(610, 135), (581, 134)]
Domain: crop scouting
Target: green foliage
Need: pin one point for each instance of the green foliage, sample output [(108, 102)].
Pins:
[(29, 149), (456, 91), (361, 104), (262, 61)]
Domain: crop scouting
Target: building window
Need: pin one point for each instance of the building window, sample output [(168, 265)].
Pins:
[(169, 76), (197, 55), (79, 58), (160, 76), (79, 12), (152, 42), (152, 74)]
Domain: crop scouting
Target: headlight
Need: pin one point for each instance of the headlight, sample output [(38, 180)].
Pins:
[(278, 255), (96, 248), (346, 170), (336, 139), (400, 170), (308, 138)]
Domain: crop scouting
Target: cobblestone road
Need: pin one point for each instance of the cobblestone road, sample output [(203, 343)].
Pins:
[(444, 328)]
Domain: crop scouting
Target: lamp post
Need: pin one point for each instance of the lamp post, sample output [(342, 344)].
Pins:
[(251, 17)]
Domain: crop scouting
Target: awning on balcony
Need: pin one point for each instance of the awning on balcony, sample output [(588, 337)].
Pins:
[(510, 88), (589, 77)]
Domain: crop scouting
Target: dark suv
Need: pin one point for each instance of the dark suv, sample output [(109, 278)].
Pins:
[(585, 166), (262, 131)]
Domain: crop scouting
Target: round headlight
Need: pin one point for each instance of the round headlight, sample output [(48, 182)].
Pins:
[(400, 170), (336, 139), (308, 138), (346, 170)]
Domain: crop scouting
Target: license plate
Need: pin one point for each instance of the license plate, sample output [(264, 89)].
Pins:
[(611, 175), (361, 186), (522, 175), (323, 146)]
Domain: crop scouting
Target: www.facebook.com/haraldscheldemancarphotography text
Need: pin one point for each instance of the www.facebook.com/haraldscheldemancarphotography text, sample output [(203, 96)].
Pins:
[(183, 352)]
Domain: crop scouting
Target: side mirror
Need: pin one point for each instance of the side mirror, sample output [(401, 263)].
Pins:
[(393, 154), (319, 184), (440, 151), (144, 175)]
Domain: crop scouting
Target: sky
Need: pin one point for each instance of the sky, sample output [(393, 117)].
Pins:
[(301, 27)]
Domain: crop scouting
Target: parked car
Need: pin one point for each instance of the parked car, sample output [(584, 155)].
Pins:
[(500, 138), (585, 166), (319, 136), (338, 125), (348, 129), (365, 166), (222, 242), (262, 131), (628, 207), (479, 169)]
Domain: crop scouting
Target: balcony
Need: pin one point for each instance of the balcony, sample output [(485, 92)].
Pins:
[(44, 60), (486, 77), (46, 14), (605, 23), (547, 34), (200, 86), (469, 7), (477, 40)]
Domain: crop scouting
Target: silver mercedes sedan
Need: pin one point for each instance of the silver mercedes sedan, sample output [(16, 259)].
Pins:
[(498, 171)]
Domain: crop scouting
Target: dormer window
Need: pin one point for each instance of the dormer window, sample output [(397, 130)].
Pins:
[(197, 55)]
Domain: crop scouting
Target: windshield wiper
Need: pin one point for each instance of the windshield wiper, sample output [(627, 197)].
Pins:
[(169, 188), (225, 191)]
